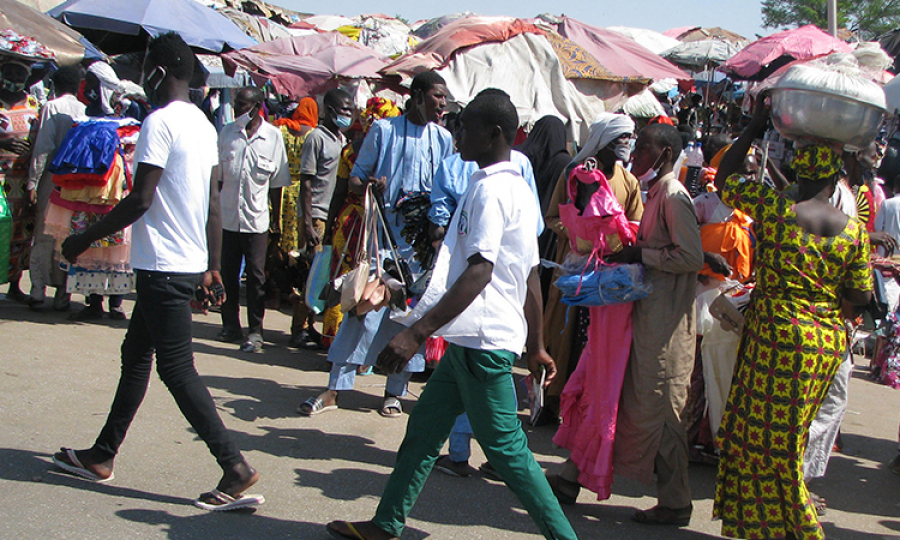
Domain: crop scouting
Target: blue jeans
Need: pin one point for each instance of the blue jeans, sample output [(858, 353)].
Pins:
[(161, 322)]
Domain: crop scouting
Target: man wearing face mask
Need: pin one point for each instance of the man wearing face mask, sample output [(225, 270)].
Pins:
[(18, 124), (318, 175), (650, 435), (253, 168)]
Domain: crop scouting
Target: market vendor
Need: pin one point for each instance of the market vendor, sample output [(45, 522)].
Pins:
[(18, 127)]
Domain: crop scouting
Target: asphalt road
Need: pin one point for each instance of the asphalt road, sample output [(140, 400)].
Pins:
[(57, 379)]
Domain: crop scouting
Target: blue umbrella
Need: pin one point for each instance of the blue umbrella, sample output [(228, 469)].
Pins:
[(197, 24)]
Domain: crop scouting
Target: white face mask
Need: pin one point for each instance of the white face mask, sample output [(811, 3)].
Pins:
[(244, 120), (650, 174)]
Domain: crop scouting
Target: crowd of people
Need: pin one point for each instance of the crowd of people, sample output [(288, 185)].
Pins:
[(433, 227)]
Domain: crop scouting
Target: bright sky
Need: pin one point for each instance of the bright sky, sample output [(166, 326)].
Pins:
[(738, 16)]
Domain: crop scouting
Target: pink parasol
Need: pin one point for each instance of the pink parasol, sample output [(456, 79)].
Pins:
[(764, 56), (306, 65)]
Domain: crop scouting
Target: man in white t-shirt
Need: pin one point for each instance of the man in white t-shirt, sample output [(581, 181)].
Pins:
[(253, 168), (176, 237), (490, 275)]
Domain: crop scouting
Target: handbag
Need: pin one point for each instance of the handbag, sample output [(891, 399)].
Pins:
[(375, 294), (353, 283)]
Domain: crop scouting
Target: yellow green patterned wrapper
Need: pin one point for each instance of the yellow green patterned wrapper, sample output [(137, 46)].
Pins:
[(816, 162)]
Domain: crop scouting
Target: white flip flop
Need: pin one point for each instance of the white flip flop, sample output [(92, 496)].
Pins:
[(78, 469), (226, 502)]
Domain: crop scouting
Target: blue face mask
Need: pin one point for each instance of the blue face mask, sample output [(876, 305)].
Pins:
[(343, 122)]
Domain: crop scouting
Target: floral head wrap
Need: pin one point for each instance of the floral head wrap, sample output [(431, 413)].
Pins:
[(816, 162), (376, 109)]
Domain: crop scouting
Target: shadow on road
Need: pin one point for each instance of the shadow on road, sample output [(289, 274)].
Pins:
[(24, 466)]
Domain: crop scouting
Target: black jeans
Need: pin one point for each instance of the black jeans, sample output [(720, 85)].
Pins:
[(252, 248), (161, 322)]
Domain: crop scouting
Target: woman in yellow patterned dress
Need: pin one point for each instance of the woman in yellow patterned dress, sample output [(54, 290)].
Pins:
[(812, 261), (294, 130)]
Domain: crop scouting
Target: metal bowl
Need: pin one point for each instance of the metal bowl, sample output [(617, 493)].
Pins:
[(809, 113)]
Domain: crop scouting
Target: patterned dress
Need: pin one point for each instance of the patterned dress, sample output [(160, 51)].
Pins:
[(793, 343), (18, 121), (290, 239)]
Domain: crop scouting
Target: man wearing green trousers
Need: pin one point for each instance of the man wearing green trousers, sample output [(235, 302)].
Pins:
[(485, 274)]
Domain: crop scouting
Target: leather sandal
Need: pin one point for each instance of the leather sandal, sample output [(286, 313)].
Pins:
[(661, 515)]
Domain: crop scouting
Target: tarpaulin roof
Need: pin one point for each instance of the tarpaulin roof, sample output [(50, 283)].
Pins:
[(701, 54), (197, 24), (68, 44), (258, 28), (654, 41), (619, 54), (764, 56), (716, 33), (306, 65), (437, 50)]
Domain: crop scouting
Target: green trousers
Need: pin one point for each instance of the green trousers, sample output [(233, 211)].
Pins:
[(478, 383)]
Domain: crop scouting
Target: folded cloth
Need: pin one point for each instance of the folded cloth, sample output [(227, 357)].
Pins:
[(88, 148), (604, 286)]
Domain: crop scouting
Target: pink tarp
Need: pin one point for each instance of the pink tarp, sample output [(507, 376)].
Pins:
[(619, 54), (801, 43), (436, 51), (306, 65)]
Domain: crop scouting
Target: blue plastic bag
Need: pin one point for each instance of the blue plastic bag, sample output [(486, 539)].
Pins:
[(606, 285), (319, 277)]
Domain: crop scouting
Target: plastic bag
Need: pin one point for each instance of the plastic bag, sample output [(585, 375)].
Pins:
[(318, 279), (5, 236), (604, 285)]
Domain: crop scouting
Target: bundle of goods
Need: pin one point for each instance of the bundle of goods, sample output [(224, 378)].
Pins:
[(585, 281), (13, 43), (832, 99), (92, 171)]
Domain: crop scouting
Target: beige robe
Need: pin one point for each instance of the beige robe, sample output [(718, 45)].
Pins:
[(650, 431)]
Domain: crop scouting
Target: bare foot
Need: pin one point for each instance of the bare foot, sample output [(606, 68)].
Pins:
[(364, 529), (88, 459)]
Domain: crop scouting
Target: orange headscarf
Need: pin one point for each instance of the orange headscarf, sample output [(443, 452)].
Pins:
[(306, 114)]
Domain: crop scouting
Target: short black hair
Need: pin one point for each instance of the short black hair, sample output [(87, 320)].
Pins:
[(493, 92), (664, 135), (425, 81), (66, 80), (169, 51), (495, 110), (252, 94), (334, 97)]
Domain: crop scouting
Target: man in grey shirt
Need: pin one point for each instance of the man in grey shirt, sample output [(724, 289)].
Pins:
[(318, 175)]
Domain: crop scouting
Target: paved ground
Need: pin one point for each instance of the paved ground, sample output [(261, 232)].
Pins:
[(57, 379)]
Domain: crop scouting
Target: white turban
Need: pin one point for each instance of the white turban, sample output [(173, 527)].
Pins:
[(606, 128), (109, 84)]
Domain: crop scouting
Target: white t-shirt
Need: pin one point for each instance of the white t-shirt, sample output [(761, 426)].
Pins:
[(171, 235), (492, 220)]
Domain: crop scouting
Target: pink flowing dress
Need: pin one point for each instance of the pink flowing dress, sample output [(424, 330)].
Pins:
[(589, 402)]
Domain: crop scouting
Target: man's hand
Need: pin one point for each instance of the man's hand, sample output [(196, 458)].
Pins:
[(399, 351), (211, 278), (74, 246), (378, 183), (540, 358), (628, 255), (312, 237), (32, 196), (717, 263), (884, 240), (436, 232), (16, 145)]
